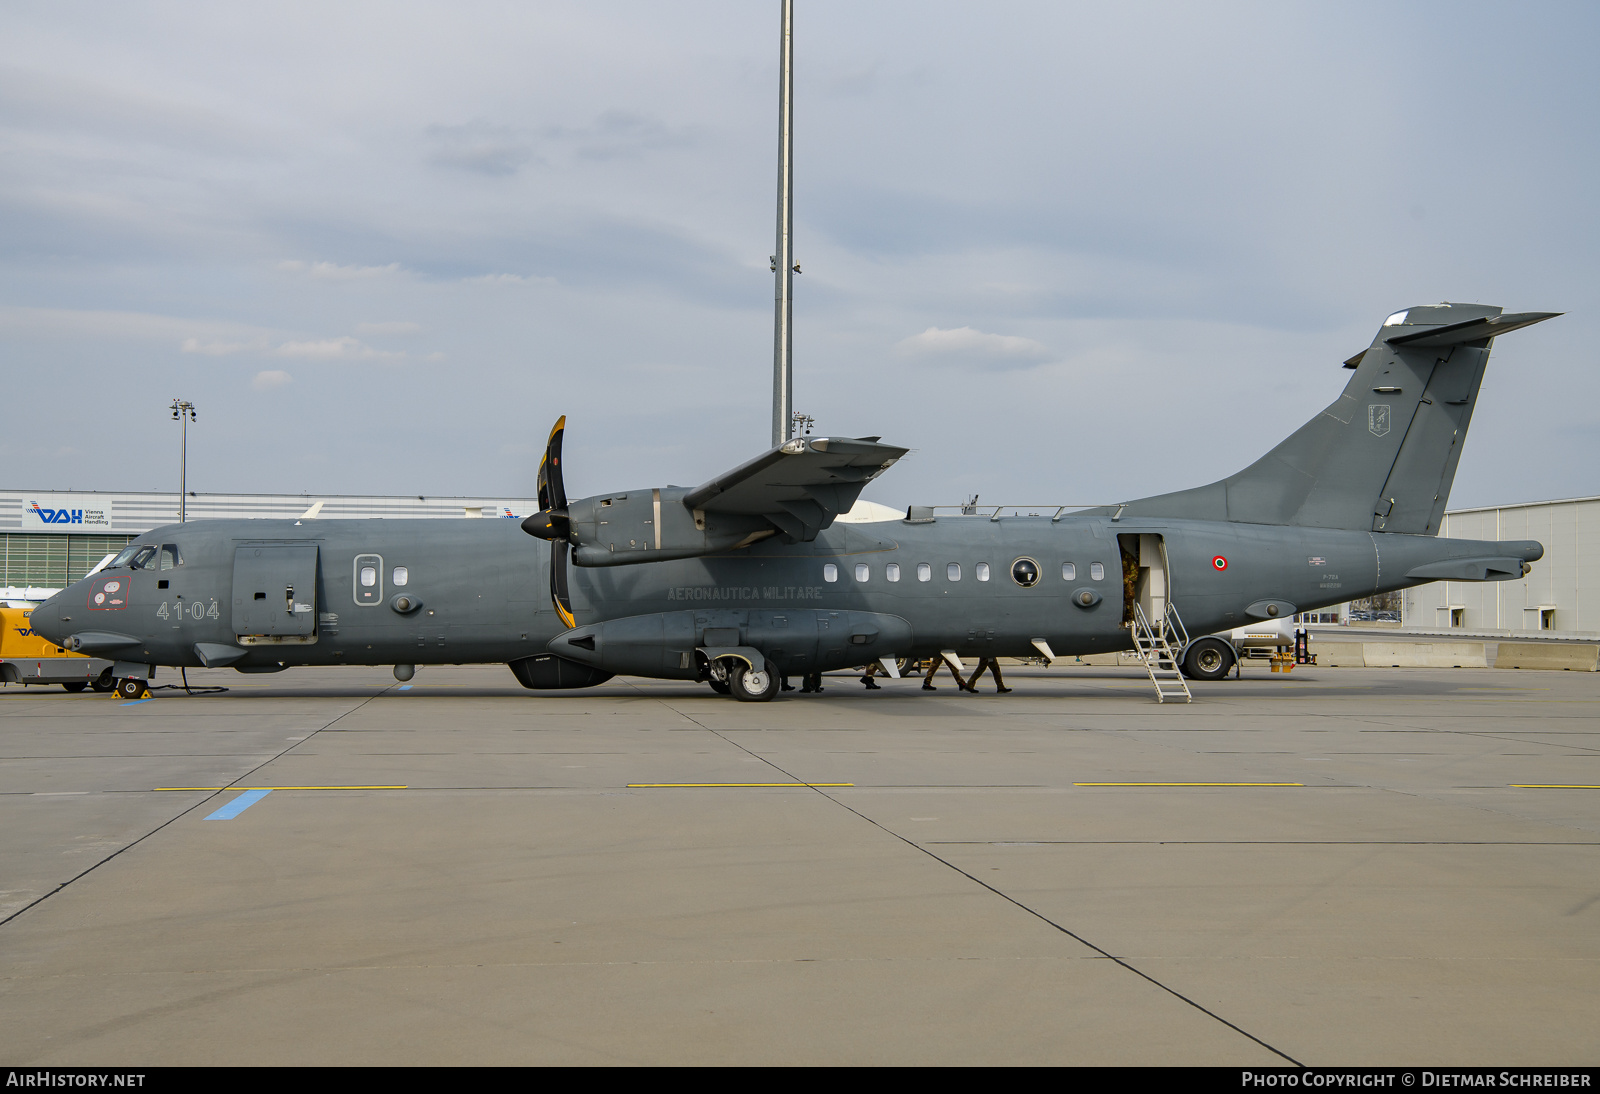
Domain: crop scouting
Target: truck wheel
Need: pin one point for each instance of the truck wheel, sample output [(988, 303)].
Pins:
[(749, 686), (130, 688), (103, 682), (76, 686), (1208, 659)]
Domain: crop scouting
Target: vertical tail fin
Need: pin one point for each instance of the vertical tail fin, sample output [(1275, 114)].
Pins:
[(1383, 456)]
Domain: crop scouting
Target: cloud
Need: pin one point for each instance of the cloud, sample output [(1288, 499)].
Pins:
[(212, 349), (479, 148), (334, 349), (269, 379), (394, 328), (499, 151), (331, 271), (967, 345), (622, 134), (509, 279)]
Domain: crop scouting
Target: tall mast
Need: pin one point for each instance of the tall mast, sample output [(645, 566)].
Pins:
[(783, 258)]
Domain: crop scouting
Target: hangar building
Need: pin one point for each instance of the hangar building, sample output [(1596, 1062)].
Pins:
[(1560, 595)]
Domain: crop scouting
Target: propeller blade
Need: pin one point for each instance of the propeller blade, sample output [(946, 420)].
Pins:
[(551, 521), (559, 596), (552, 490)]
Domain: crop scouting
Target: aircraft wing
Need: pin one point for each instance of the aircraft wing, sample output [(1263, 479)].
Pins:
[(799, 486)]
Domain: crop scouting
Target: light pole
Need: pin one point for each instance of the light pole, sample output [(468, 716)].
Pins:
[(783, 264), (183, 411)]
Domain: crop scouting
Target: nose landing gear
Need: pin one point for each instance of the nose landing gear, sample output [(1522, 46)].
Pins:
[(131, 688)]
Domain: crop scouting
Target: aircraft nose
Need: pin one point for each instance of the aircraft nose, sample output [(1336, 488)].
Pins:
[(45, 620)]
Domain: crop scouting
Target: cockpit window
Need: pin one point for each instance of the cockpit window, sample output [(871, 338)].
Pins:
[(126, 554), (170, 558), (143, 558)]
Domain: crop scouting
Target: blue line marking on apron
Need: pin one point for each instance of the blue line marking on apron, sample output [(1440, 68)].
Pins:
[(405, 687), (136, 702), (239, 805)]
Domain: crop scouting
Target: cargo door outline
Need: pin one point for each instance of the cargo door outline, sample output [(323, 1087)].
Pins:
[(275, 591)]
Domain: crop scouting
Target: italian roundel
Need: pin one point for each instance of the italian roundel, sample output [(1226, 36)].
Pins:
[(1219, 563)]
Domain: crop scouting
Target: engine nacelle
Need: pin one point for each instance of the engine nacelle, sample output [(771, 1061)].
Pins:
[(795, 641), (652, 526)]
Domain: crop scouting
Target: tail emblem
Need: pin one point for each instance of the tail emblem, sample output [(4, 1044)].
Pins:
[(1378, 419)]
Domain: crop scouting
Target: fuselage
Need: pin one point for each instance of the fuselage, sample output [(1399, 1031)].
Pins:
[(438, 592)]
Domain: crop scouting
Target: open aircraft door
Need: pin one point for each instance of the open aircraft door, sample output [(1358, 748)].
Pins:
[(275, 590), (1145, 575)]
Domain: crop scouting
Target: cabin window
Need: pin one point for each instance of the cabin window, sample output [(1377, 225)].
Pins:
[(369, 576), (981, 571), (170, 559), (1097, 572), (952, 572), (830, 572), (924, 572), (1069, 571), (891, 572), (401, 575), (862, 571)]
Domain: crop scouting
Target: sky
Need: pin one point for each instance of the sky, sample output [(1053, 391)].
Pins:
[(1065, 253)]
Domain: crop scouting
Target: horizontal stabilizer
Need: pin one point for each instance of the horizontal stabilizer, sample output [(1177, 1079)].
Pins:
[(1473, 330), (1470, 569)]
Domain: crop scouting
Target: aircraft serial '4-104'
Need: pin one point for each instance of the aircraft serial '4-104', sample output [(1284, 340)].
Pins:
[(765, 571)]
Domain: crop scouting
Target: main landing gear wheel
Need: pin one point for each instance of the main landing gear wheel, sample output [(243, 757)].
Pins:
[(749, 686), (130, 688), (103, 682), (76, 686), (1208, 659)]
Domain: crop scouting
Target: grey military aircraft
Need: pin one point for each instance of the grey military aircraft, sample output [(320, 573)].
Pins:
[(752, 576)]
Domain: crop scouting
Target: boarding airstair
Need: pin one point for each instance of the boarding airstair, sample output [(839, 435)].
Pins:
[(1159, 647)]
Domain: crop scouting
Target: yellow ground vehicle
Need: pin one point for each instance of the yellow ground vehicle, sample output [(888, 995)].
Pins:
[(26, 658)]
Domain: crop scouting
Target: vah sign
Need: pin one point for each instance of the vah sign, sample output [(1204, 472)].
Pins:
[(66, 513)]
